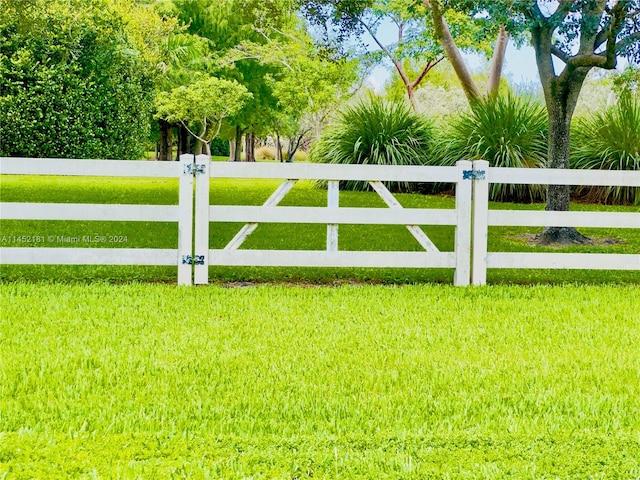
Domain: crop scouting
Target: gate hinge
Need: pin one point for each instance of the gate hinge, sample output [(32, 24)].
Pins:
[(473, 174)]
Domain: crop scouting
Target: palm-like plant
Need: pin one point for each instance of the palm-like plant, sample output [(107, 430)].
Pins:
[(506, 131), (375, 132), (609, 140)]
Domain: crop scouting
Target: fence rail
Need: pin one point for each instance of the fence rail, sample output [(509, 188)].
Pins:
[(483, 218), (471, 217), (181, 214)]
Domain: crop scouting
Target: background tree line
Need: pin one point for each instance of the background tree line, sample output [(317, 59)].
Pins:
[(98, 78)]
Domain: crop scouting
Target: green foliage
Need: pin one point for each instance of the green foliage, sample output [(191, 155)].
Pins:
[(205, 103), (302, 82), (220, 147), (609, 140), (508, 132), (375, 132), (79, 85), (372, 382), (628, 82)]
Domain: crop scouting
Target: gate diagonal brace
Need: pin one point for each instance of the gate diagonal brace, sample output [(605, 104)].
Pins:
[(249, 228), (415, 230)]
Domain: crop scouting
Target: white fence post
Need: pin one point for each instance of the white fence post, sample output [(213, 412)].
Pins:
[(333, 196), (185, 222), (201, 248), (480, 222), (463, 223)]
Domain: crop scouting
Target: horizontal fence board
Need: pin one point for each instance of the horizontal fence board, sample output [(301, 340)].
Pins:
[(586, 261), (534, 218), (319, 258), (559, 176), (97, 168), (353, 216), (315, 171), (81, 211), (88, 256)]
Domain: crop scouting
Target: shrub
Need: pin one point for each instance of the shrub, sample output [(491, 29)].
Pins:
[(265, 153), (508, 132), (375, 132), (609, 140), (220, 147), (269, 153), (75, 91)]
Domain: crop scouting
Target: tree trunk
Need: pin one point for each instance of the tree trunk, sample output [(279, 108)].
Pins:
[(294, 144), (252, 145), (250, 141), (184, 141), (278, 149), (408, 85), (561, 102), (443, 34), (237, 150), (412, 96), (497, 63), (232, 149), (166, 139)]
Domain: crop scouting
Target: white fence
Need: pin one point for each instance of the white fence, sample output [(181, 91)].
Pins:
[(471, 217), (182, 214), (483, 218)]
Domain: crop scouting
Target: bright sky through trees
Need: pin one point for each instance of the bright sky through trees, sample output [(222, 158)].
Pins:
[(520, 66)]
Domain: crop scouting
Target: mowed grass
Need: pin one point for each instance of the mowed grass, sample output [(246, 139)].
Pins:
[(416, 381), (15, 233)]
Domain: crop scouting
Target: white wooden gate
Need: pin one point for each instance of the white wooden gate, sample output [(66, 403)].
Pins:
[(333, 216)]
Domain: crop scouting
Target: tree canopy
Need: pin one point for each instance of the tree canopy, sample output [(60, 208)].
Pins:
[(204, 103)]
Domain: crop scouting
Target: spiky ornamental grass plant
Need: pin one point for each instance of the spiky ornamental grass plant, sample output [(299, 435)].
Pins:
[(506, 131), (609, 140), (375, 132)]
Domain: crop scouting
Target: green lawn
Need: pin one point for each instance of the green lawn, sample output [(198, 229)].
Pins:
[(104, 377), (423, 381), (250, 192)]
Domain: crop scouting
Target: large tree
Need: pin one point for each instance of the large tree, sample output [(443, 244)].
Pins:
[(570, 38)]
